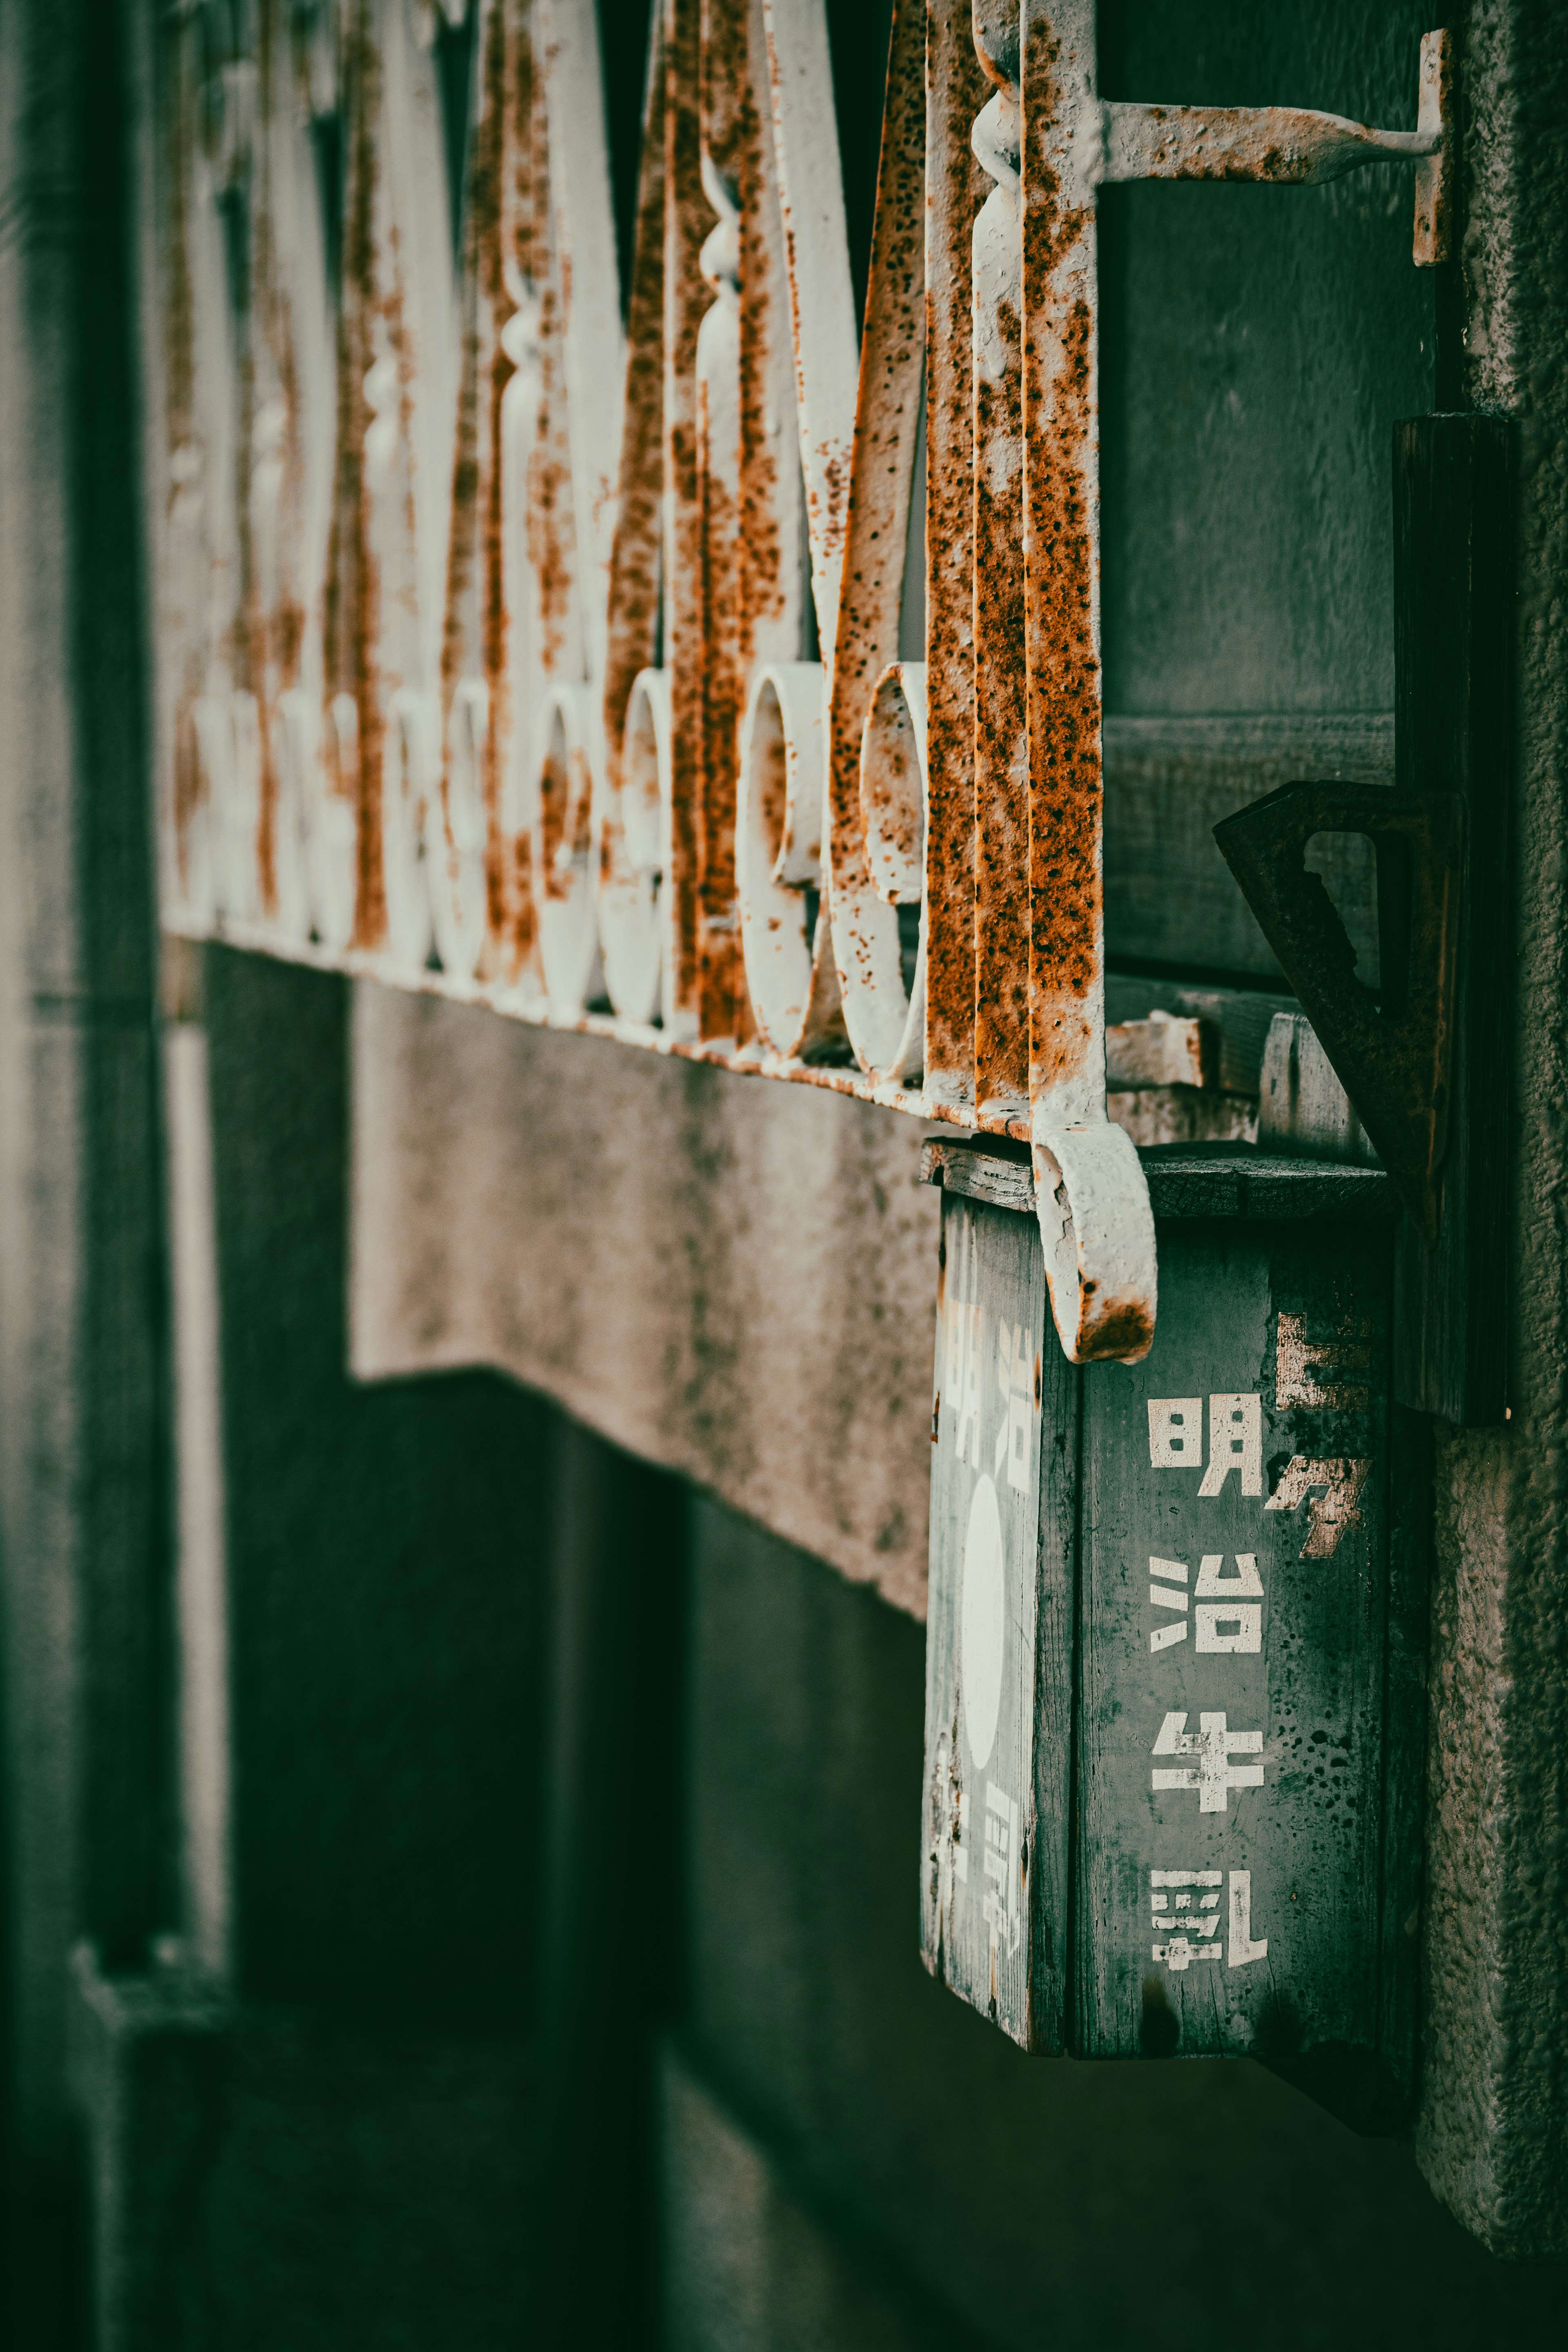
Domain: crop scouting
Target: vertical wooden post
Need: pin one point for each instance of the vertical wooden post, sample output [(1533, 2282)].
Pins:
[(1454, 591)]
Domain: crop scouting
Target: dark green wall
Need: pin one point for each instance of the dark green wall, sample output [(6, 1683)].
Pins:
[(388, 1558), (1257, 346), (1013, 2201)]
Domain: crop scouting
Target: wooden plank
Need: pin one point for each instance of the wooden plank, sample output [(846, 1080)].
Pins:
[(1000, 1174), (994, 1881), (1239, 1018), (1219, 1180), (1234, 1747), (1454, 495)]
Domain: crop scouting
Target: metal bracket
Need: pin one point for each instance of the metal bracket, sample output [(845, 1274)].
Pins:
[(1296, 146), (1393, 1048)]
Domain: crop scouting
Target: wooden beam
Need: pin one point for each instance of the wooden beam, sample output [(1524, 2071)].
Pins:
[(1454, 594)]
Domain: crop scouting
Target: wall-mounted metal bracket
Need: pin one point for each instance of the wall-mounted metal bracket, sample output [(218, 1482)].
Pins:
[(1296, 146), (1393, 1047), (1427, 1064)]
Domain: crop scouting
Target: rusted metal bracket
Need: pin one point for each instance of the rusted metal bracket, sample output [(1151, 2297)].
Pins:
[(1297, 147), (1392, 1046), (1048, 140)]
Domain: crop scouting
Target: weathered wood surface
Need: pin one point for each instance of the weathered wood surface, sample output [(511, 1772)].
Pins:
[(1181, 1606), (1454, 492), (1239, 1019), (1236, 1744), (1169, 895), (1218, 1180), (994, 1882)]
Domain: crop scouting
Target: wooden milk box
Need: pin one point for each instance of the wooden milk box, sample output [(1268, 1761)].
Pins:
[(1174, 1704)]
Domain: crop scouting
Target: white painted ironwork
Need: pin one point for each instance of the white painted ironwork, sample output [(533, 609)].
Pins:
[(486, 653)]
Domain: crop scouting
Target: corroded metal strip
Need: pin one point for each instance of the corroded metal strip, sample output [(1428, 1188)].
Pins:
[(688, 220), (568, 931), (559, 822), (777, 870), (571, 509), (822, 319), (778, 842), (411, 389), (1285, 145), (633, 909), (290, 470), (722, 1012), (1437, 176), (955, 186), (1001, 759), (345, 879), (822, 303), (374, 644), (182, 601), (1095, 1218), (233, 726), (894, 802), (593, 345), (633, 893), (464, 869), (480, 860), (773, 521), (865, 940)]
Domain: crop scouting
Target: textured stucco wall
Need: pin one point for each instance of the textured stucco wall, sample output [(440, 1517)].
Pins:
[(1493, 2137)]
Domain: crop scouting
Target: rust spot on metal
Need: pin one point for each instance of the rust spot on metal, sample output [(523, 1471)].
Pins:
[(1120, 1332), (564, 796)]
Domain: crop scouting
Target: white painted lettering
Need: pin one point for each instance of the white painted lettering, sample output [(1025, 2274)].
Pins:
[(1016, 1378), (1243, 1950), (1186, 1933), (963, 1375), (1231, 1625), (1175, 1433), (1213, 1776), (1000, 1908), (1235, 1442), (1160, 1637)]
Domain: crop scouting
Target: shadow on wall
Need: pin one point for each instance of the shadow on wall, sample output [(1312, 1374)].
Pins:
[(403, 2124)]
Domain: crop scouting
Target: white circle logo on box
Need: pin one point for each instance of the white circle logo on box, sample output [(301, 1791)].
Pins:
[(981, 1622)]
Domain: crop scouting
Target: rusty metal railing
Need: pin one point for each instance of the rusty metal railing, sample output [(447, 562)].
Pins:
[(592, 670)]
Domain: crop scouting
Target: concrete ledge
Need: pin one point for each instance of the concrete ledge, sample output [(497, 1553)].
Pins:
[(732, 1279)]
